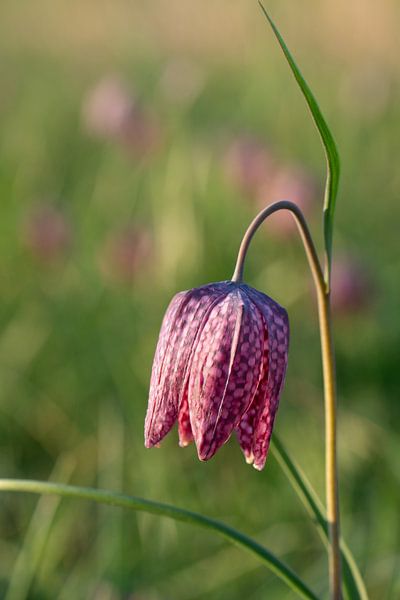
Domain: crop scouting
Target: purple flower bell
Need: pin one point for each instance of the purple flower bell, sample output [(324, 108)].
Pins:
[(219, 366)]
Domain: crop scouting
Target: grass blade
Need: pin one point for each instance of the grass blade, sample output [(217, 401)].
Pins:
[(35, 540), (331, 151), (353, 582), (166, 510)]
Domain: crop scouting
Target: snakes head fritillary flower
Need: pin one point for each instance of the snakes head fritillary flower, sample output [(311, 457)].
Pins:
[(219, 367)]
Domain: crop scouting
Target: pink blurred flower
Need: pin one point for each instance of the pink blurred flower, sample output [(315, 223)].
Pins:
[(288, 183), (219, 367), (352, 288), (47, 233), (248, 165), (110, 111), (126, 253)]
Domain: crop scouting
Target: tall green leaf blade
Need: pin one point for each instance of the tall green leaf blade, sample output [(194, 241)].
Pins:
[(353, 582), (36, 537), (331, 151), (157, 508)]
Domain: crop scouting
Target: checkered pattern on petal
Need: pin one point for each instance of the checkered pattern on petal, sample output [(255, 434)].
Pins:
[(182, 320), (224, 371), (261, 415), (246, 428), (184, 426)]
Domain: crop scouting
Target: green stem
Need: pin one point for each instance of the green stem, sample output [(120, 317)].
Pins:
[(173, 512), (328, 366), (352, 580), (331, 469)]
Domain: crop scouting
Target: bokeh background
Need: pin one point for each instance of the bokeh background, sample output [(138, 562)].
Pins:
[(138, 139)]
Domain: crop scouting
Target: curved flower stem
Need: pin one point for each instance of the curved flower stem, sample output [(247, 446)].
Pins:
[(167, 510), (328, 366), (305, 234)]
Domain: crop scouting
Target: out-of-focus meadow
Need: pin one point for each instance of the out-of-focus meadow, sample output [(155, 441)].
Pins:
[(138, 139)]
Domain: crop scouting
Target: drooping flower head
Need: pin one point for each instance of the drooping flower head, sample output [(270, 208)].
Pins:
[(219, 367)]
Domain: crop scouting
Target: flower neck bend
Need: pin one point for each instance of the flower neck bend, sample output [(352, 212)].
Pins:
[(305, 234)]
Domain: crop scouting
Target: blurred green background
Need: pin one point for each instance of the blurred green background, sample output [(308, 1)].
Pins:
[(138, 139)]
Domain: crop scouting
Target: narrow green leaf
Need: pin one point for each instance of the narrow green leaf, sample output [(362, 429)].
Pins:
[(353, 582), (166, 510), (331, 151), (36, 537)]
